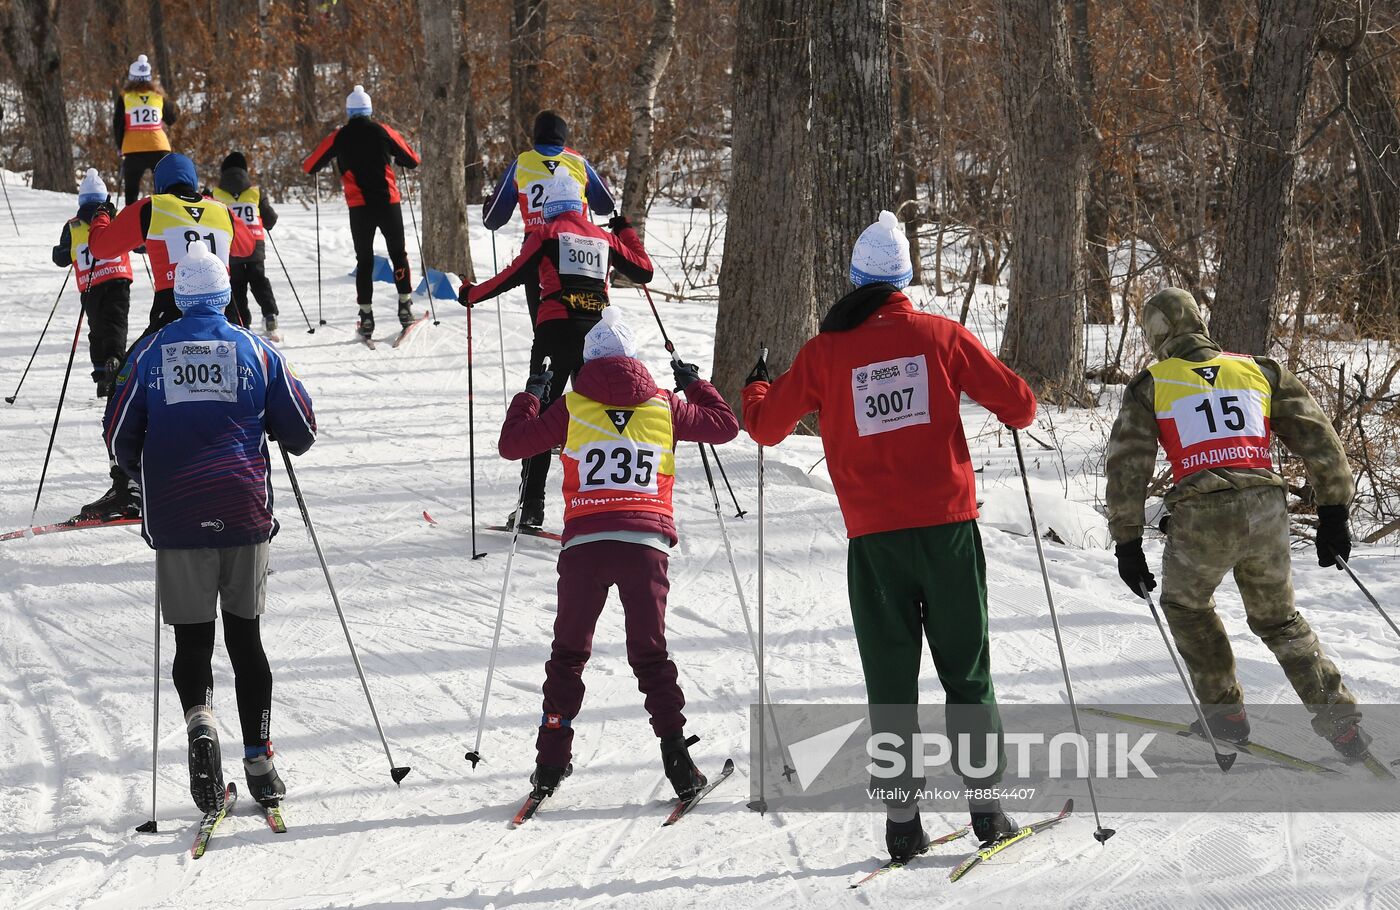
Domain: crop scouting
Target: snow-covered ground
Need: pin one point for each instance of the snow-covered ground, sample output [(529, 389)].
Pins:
[(76, 625)]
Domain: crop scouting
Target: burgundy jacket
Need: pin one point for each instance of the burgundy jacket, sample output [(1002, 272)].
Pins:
[(625, 382)]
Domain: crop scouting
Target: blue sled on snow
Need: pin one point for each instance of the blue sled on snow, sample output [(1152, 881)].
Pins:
[(437, 283)]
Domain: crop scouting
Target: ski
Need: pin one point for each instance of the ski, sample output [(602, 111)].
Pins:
[(408, 329), (365, 340), (528, 809), (894, 864), (1249, 748), (990, 850), (1377, 767), (685, 805), (76, 523), (211, 821), (272, 813), (526, 532), (274, 337)]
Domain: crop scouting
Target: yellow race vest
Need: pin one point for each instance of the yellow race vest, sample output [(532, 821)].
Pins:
[(533, 171), (1213, 414), (88, 271), (618, 459), (144, 114), (175, 224), (245, 206)]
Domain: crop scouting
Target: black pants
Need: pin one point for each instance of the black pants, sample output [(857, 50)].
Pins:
[(252, 677), (242, 275), (561, 341), (107, 306), (388, 220), (163, 311), (134, 167)]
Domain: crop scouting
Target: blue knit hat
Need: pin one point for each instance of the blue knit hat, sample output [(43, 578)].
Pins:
[(173, 170), (201, 280), (882, 254)]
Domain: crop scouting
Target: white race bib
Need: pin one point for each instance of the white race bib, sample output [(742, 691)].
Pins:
[(890, 395), (199, 371), (143, 116), (618, 464), (178, 239), (534, 195), (585, 256), (1218, 414), (245, 210)]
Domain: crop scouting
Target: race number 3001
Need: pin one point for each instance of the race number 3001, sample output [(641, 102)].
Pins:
[(890, 395), (199, 371)]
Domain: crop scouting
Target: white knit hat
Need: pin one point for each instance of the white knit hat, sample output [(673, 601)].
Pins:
[(140, 71), (882, 254), (562, 194), (201, 280), (92, 189), (609, 338), (357, 103)]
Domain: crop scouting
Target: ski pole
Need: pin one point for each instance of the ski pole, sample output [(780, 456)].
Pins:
[(150, 827), (1223, 759), (316, 195), (471, 433), (396, 772), (13, 220), (418, 239), (759, 805), (738, 512), (295, 295), (474, 755), (58, 412), (500, 332), (1101, 834), (10, 399), (1369, 596)]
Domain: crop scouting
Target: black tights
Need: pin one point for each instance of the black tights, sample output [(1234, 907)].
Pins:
[(252, 678)]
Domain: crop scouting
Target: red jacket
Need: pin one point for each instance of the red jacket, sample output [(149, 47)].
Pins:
[(624, 382), (113, 237), (911, 469)]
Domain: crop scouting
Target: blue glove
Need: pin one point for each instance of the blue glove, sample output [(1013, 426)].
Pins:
[(538, 383)]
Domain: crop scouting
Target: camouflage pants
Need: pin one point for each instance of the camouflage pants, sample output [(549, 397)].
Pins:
[(1244, 531)]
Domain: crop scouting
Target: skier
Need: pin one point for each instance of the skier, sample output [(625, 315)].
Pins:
[(618, 432), (567, 260), (139, 117), (365, 153), (105, 284), (167, 224), (248, 203), (1215, 415), (522, 185), (191, 415), (885, 381)]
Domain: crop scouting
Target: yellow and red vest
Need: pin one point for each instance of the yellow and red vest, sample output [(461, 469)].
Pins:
[(89, 272), (1212, 414), (175, 224), (618, 459), (245, 206), (533, 171), (145, 123)]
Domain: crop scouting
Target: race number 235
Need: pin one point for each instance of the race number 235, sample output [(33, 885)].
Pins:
[(890, 395), (618, 465)]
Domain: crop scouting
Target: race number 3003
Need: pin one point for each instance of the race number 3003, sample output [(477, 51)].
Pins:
[(890, 394), (199, 371)]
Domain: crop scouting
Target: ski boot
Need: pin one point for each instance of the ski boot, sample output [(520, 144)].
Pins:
[(680, 770), (1233, 728), (122, 500), (406, 316), (905, 840), (264, 784), (530, 516), (989, 823), (366, 324), (108, 380), (1354, 744), (546, 779), (270, 326), (206, 770)]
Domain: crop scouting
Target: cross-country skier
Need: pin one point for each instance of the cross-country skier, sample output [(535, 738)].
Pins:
[(885, 381), (618, 432), (168, 223), (191, 416), (139, 117), (1215, 415), (105, 284), (365, 153), (250, 204), (567, 259)]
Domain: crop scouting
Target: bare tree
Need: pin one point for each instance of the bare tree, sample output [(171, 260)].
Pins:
[(1049, 173), (1262, 181), (852, 131), (446, 88), (1373, 126), (766, 295), (1098, 272), (906, 139), (306, 67), (645, 78), (527, 33), (164, 66), (30, 34)]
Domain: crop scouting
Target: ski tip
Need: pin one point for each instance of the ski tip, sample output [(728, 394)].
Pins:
[(1103, 834), (149, 827), (428, 518), (398, 774), (1226, 760)]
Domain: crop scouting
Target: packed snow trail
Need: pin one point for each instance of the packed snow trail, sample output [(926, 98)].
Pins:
[(75, 657)]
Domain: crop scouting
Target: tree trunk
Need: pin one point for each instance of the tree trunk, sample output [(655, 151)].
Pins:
[(1373, 124), (527, 31), (645, 78), (906, 141), (1049, 173), (853, 147), (1098, 272), (763, 296), (476, 168), (1262, 181), (164, 67), (31, 41), (306, 69), (445, 88)]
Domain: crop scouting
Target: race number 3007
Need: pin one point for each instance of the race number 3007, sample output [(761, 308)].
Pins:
[(890, 395)]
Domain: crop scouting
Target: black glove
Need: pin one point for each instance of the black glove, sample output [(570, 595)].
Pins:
[(685, 373), (1333, 536), (1132, 567), (618, 223), (108, 207), (538, 383), (464, 294), (759, 373), (87, 210)]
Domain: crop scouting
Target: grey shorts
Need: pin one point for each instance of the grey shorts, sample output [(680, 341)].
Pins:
[(191, 582)]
